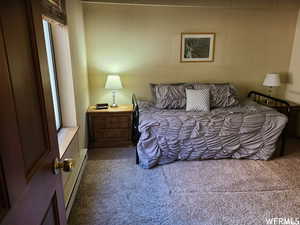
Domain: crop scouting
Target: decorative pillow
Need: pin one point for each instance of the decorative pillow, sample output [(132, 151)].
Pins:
[(198, 100), (222, 95), (169, 96)]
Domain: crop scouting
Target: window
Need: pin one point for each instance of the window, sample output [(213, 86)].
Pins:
[(53, 73)]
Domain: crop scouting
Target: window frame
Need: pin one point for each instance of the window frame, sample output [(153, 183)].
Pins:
[(49, 26)]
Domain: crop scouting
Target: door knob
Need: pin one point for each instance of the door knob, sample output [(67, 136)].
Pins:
[(65, 164)]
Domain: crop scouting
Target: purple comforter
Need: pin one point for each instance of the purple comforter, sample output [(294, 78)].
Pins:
[(247, 131)]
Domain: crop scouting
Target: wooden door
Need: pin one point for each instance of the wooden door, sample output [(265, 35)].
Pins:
[(30, 193)]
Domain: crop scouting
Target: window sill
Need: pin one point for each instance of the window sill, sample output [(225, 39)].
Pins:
[(65, 136)]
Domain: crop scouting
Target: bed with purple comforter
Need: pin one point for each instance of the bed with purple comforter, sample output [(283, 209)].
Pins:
[(245, 131)]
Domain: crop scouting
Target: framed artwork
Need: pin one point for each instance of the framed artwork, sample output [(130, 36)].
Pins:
[(197, 47)]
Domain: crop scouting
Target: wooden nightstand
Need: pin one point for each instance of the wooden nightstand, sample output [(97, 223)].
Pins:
[(110, 127)]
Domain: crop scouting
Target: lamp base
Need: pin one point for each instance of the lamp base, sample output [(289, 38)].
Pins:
[(114, 105)]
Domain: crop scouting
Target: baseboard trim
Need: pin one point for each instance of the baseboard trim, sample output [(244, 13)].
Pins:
[(76, 186)]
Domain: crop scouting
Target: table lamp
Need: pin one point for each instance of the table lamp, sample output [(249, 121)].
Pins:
[(114, 83), (272, 80)]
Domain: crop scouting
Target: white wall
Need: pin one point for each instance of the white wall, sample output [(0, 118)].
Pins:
[(142, 44), (293, 88), (65, 75), (79, 65)]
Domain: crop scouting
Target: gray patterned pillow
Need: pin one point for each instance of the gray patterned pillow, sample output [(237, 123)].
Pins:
[(222, 95), (169, 96), (198, 100)]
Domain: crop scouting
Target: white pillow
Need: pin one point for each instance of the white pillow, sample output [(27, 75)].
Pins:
[(198, 100)]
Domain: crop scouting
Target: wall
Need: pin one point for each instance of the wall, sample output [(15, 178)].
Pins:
[(293, 86), (79, 65), (263, 4), (142, 44), (65, 82)]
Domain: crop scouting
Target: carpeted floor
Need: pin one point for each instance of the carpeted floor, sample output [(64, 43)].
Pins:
[(115, 191)]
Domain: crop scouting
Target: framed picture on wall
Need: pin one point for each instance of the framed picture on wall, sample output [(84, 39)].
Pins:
[(197, 47)]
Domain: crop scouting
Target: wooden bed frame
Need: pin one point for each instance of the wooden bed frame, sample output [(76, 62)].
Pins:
[(281, 105)]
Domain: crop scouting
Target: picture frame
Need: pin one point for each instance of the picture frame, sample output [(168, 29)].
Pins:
[(197, 47)]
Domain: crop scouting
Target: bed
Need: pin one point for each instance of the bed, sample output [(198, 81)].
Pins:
[(243, 130)]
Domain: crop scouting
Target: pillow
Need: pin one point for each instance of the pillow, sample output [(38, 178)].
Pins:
[(222, 95), (143, 104), (198, 100), (169, 96)]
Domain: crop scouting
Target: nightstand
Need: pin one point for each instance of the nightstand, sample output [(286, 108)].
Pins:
[(110, 127)]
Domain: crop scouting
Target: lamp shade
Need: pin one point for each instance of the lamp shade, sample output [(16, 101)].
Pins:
[(272, 80), (113, 82)]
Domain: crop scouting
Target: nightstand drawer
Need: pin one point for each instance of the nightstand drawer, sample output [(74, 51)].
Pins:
[(104, 122), (117, 122), (119, 134)]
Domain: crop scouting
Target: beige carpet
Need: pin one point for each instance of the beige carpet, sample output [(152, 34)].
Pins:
[(115, 191)]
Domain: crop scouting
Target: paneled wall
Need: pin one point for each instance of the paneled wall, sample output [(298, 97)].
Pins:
[(142, 44)]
